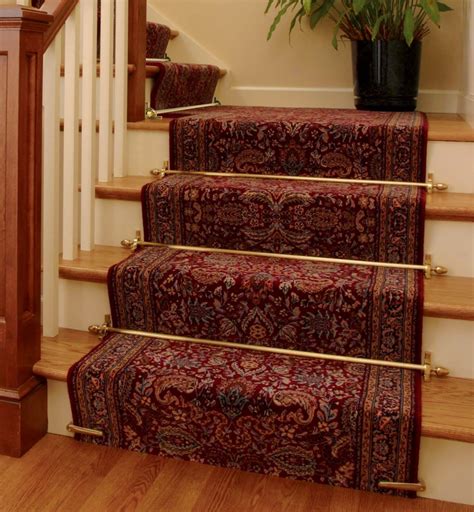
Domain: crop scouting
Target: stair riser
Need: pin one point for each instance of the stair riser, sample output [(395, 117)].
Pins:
[(83, 304), (437, 456), (147, 149), (116, 220), (451, 162)]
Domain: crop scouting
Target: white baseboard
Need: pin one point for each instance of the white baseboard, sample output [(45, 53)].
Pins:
[(429, 100)]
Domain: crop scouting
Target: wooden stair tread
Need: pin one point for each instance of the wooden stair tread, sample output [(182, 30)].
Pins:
[(442, 127), (439, 206), (445, 296), (448, 404)]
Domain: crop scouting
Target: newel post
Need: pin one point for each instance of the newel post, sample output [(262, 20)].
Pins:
[(136, 57), (23, 419)]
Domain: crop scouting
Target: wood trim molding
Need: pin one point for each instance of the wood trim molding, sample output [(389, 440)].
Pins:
[(23, 412), (137, 58), (60, 10)]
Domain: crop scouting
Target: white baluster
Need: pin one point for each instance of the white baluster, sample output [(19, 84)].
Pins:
[(51, 198), (89, 136), (71, 137), (106, 79), (121, 82)]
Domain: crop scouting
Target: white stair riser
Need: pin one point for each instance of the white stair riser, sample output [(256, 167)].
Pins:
[(438, 457), (116, 220), (147, 150), (451, 162), (451, 341)]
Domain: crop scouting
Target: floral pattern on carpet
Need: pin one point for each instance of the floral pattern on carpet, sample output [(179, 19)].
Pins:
[(376, 223), (326, 422), (301, 141), (181, 85), (337, 309)]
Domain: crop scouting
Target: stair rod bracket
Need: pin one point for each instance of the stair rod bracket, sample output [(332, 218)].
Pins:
[(435, 187), (426, 367)]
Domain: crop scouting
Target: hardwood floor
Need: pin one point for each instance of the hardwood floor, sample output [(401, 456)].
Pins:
[(62, 475)]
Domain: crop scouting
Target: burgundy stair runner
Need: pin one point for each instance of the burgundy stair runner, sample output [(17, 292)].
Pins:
[(157, 39), (323, 142), (377, 223), (327, 422), (181, 85)]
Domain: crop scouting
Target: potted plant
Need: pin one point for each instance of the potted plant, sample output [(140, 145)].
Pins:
[(386, 43)]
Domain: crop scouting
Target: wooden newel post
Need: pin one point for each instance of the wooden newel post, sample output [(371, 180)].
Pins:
[(23, 411)]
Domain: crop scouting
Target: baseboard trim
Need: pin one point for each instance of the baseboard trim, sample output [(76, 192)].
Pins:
[(23, 417), (429, 100)]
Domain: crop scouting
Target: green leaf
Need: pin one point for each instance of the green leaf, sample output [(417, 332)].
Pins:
[(443, 7), (375, 29), (432, 10), (409, 26), (320, 12), (307, 5), (358, 5), (278, 18)]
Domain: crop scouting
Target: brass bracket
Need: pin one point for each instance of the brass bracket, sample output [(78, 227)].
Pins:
[(161, 173), (101, 330), (132, 244), (431, 270), (74, 429), (403, 486), (429, 371), (435, 187)]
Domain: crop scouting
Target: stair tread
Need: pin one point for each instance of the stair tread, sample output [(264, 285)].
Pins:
[(153, 70), (445, 296), (442, 127), (439, 206), (448, 404)]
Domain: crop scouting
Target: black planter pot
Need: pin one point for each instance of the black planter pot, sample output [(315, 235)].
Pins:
[(386, 74)]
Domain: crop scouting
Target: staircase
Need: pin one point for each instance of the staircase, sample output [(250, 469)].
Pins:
[(448, 404)]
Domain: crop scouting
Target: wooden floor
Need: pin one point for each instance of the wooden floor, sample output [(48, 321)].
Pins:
[(62, 475)]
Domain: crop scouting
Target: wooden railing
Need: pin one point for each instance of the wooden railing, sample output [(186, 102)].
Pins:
[(25, 35)]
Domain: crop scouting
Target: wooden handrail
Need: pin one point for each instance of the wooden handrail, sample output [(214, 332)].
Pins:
[(60, 10)]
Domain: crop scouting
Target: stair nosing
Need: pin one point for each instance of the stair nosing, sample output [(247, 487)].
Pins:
[(122, 192), (98, 274), (58, 372)]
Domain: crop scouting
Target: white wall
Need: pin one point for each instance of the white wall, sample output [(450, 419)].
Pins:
[(309, 71)]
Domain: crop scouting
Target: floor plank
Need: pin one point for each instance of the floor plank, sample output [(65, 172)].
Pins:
[(60, 474)]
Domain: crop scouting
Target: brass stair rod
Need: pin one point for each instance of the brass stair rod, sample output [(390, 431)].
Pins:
[(428, 269), (403, 486), (151, 113), (74, 429), (426, 368), (429, 185)]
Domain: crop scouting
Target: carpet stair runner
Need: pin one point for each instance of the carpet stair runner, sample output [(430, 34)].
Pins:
[(343, 424), (182, 85)]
